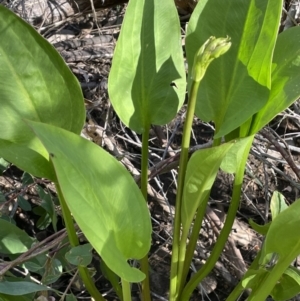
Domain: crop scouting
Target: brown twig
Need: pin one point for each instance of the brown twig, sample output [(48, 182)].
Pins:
[(172, 162), (284, 152)]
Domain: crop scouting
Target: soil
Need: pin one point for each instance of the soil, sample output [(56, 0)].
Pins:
[(86, 42)]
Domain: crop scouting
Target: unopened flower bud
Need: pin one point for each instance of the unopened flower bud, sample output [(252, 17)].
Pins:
[(211, 49)]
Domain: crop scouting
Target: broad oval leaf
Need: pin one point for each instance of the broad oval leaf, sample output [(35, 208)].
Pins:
[(147, 79), (236, 85), (285, 77), (35, 84), (103, 198)]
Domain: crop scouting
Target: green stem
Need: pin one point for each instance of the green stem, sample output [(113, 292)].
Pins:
[(83, 271), (177, 255), (238, 290), (126, 290), (144, 184), (225, 232), (194, 238), (181, 262)]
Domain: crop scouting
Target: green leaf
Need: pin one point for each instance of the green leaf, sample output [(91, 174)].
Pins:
[(53, 271), (254, 277), (48, 267), (3, 165), (285, 77), (60, 255), (8, 219), (4, 297), (288, 286), (112, 278), (71, 297), (23, 203), (44, 221), (35, 84), (33, 266), (277, 204), (234, 156), (237, 84), (147, 79), (80, 255), (261, 229), (282, 237), (103, 198), (200, 175), (37, 264), (20, 288), (12, 239), (27, 179)]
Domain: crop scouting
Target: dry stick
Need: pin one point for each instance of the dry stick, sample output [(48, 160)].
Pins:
[(266, 193), (69, 286), (285, 154), (164, 141), (173, 162), (262, 157), (95, 16)]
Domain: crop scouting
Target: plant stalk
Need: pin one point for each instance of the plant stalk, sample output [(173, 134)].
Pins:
[(144, 184), (194, 238), (225, 232), (126, 290), (83, 271), (177, 261), (210, 50), (238, 290)]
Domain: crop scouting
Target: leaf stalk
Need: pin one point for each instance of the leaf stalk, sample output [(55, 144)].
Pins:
[(144, 184)]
